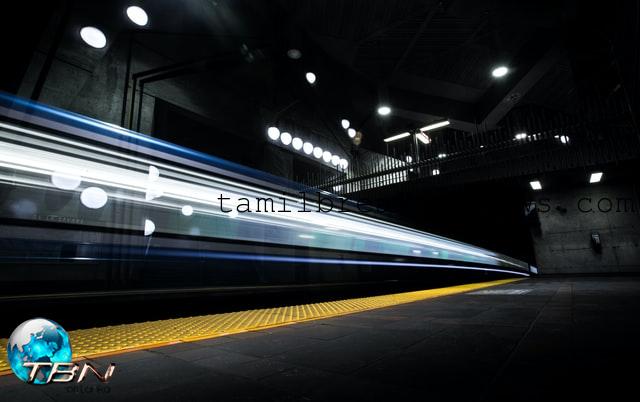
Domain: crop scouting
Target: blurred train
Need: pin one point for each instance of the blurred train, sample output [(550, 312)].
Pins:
[(88, 206)]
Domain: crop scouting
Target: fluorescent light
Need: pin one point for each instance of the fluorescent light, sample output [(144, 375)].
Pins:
[(93, 197), (500, 71), (307, 147), (384, 110), (187, 210), (520, 136), (317, 152), (326, 156), (423, 138), (137, 15), (435, 125), (285, 138), (536, 185), (397, 137), (345, 123), (93, 37), (351, 132), (311, 78), (595, 177), (297, 143), (273, 133)]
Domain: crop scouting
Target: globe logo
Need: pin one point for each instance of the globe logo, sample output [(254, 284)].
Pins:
[(37, 340)]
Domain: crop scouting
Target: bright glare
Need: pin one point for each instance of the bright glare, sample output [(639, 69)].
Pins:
[(307, 148), (595, 177), (384, 110), (297, 143), (137, 15), (93, 37), (273, 133), (326, 156), (311, 78), (520, 136), (187, 210), (536, 185), (345, 123), (500, 71), (285, 138), (351, 132), (317, 152)]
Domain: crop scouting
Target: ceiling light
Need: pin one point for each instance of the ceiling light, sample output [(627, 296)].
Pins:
[(137, 15), (435, 172), (297, 143), (435, 125), (384, 110), (317, 152), (351, 132), (187, 210), (307, 148), (564, 139), (285, 138), (442, 156), (294, 53), (335, 160), (344, 163), (595, 177), (500, 71), (311, 78), (423, 138), (326, 156), (93, 37), (345, 123), (397, 137), (273, 133), (536, 185), (520, 136)]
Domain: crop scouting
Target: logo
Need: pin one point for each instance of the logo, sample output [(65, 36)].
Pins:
[(39, 352)]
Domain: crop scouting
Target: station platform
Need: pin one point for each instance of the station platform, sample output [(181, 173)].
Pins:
[(535, 339)]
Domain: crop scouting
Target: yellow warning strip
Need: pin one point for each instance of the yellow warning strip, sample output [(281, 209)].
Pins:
[(94, 342)]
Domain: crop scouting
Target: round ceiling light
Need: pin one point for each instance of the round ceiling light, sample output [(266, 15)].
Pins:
[(317, 152), (351, 132), (307, 148), (285, 138), (273, 133), (345, 123), (500, 71), (93, 37), (297, 143), (335, 160), (326, 156), (344, 163), (311, 78), (384, 110), (137, 15)]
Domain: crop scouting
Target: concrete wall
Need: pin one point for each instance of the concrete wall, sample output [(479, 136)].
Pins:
[(562, 242)]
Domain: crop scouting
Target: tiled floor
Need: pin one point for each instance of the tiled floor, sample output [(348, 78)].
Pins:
[(569, 339)]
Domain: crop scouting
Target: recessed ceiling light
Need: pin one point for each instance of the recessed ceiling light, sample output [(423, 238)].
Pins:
[(326, 156), (311, 78), (93, 37), (500, 71), (273, 133), (335, 160), (317, 152), (384, 110), (351, 132), (536, 185), (345, 123), (595, 177), (307, 148), (294, 53), (137, 15), (397, 137), (296, 143)]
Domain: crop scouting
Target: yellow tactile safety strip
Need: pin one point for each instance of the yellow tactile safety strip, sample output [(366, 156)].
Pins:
[(87, 343)]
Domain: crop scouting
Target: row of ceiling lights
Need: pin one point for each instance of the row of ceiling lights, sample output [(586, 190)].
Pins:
[(306, 147), (595, 177), (95, 38)]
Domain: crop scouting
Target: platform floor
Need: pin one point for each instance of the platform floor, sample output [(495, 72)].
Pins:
[(538, 339)]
